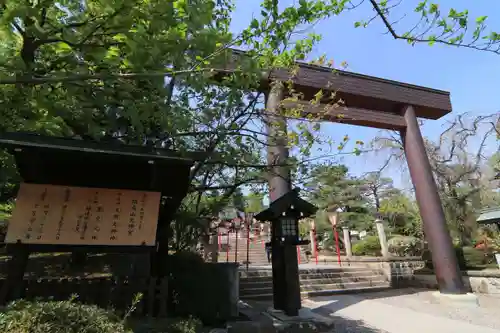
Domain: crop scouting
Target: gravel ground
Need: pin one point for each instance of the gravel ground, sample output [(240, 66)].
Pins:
[(423, 301), (417, 300)]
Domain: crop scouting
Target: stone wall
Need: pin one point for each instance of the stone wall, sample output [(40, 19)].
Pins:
[(399, 271), (483, 282), (410, 272)]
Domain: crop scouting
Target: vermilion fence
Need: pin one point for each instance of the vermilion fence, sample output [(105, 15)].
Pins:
[(237, 249)]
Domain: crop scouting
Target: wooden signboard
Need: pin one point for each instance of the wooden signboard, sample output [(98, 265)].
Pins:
[(61, 215)]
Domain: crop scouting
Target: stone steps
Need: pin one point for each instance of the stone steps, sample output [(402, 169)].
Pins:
[(243, 256), (256, 256), (312, 272), (315, 276), (257, 284), (306, 294), (268, 282), (244, 251), (312, 276), (252, 289), (243, 262), (256, 252)]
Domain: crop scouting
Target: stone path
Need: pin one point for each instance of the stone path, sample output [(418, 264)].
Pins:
[(264, 320), (405, 311), (393, 311)]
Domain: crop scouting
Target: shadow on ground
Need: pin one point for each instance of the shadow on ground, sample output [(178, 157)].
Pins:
[(343, 325), (339, 325), (326, 322), (332, 305), (339, 302)]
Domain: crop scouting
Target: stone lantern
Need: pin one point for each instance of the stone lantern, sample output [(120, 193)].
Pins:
[(284, 214)]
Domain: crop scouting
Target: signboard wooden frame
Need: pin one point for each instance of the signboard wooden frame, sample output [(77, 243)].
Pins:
[(76, 216)]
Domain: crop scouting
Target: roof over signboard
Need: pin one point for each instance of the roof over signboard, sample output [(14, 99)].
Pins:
[(489, 216), (42, 142), (73, 162)]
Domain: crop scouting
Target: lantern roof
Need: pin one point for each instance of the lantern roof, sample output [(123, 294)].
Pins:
[(285, 203)]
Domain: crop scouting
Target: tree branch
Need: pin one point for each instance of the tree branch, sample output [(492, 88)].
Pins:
[(408, 37), (30, 80)]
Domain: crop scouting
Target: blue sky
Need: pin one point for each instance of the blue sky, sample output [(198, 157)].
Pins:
[(472, 77)]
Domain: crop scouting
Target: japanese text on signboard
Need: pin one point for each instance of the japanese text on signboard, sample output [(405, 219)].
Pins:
[(49, 214)]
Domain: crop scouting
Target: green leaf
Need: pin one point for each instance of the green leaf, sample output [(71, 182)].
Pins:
[(254, 24), (421, 6), (481, 19), (112, 52), (148, 37), (432, 40), (63, 48)]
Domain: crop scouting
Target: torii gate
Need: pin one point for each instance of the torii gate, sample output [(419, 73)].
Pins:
[(377, 103)]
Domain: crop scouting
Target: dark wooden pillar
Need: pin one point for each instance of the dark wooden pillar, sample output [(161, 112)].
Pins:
[(286, 285), (12, 287), (436, 231)]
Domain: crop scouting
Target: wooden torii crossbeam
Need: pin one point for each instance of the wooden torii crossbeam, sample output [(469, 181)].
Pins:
[(366, 100)]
